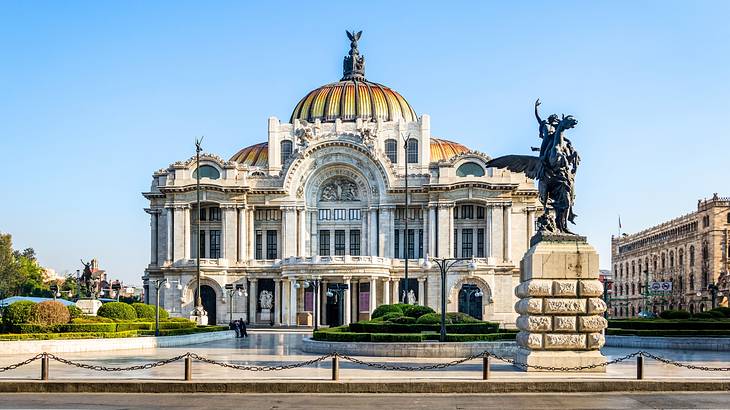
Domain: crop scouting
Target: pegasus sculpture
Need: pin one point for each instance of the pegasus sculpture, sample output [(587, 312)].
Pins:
[(554, 169)]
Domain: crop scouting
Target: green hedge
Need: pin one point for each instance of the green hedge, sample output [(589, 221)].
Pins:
[(396, 337), (22, 311), (385, 327), (668, 332), (668, 324), (383, 310), (480, 338), (178, 332), (84, 335), (325, 335), (145, 311), (416, 311), (88, 327), (117, 311)]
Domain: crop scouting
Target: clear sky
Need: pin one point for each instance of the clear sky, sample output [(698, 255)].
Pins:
[(95, 96)]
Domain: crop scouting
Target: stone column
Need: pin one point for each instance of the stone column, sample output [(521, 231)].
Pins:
[(373, 294), (425, 218), (277, 302), (422, 291), (229, 233), (530, 225), (313, 234), (251, 238), (323, 303), (390, 223), (386, 292), (373, 231), (560, 305), (153, 237), (302, 241), (507, 233), (188, 234), (179, 234), (253, 297), (288, 232), (489, 251), (394, 296), (292, 303), (364, 234), (432, 231), (346, 300), (242, 234), (445, 233), (169, 231)]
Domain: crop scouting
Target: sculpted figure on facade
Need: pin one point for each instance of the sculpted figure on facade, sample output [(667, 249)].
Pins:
[(266, 299), (340, 189)]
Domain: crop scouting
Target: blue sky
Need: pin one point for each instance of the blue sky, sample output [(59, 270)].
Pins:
[(95, 96)]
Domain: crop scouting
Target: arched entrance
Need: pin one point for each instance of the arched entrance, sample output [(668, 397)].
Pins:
[(207, 294), (470, 300)]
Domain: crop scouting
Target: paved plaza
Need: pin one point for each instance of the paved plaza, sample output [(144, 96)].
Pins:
[(274, 347)]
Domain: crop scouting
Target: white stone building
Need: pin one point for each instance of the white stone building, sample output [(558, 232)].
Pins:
[(323, 198)]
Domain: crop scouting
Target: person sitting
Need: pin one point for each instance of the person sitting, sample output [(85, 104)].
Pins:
[(234, 326)]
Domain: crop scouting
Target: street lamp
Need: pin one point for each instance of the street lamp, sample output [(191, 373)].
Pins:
[(444, 265), (158, 284), (315, 283), (238, 291), (406, 139)]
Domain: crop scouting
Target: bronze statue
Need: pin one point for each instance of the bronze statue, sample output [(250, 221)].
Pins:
[(86, 277), (554, 169)]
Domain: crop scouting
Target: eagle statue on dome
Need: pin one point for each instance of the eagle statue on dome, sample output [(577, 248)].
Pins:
[(554, 169)]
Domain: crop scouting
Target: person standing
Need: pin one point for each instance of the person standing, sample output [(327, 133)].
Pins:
[(234, 326), (242, 328)]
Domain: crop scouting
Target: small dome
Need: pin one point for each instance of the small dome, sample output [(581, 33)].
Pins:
[(353, 96), (254, 156), (444, 149)]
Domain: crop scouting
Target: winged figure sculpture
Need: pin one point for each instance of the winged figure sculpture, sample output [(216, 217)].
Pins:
[(554, 169)]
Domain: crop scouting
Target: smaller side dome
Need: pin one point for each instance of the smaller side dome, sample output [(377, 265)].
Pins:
[(442, 149), (256, 155)]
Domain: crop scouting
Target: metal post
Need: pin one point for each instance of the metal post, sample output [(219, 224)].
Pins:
[(485, 367), (198, 299), (405, 233), (335, 368), (442, 336), (188, 368), (230, 306), (44, 367), (315, 295), (639, 367)]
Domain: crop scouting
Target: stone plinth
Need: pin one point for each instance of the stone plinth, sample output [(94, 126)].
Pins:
[(88, 306), (561, 305)]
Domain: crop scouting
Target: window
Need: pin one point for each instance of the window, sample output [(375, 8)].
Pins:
[(355, 242), (214, 214), (259, 245), (691, 282), (396, 244), (270, 244), (391, 150), (286, 146), (201, 248), (339, 242), (480, 243), (470, 168), (215, 244), (664, 261), (411, 243), (206, 171), (728, 217), (324, 243), (681, 258), (354, 214), (420, 243), (340, 214), (480, 212), (692, 255), (456, 243), (412, 151), (467, 211), (324, 215), (671, 259), (203, 214), (467, 241)]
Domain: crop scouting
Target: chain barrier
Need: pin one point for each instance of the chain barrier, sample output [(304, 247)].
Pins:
[(23, 363), (255, 368), (101, 368), (381, 366)]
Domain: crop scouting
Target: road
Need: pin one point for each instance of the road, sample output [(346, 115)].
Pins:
[(561, 401)]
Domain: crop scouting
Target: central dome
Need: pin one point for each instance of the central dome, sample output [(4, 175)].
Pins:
[(353, 96)]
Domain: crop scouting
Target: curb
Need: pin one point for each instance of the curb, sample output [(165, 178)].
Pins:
[(491, 386)]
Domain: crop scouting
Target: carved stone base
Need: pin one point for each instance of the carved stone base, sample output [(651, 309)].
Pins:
[(561, 359), (541, 236), (88, 306)]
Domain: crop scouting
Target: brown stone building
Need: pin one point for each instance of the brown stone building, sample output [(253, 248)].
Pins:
[(689, 254)]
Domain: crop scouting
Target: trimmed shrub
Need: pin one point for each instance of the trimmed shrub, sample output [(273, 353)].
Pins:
[(117, 311), (22, 311), (88, 327), (388, 316), (669, 332), (51, 312), (74, 311), (403, 319), (674, 314), (725, 311), (430, 319), (703, 315), (382, 310), (416, 311), (396, 337), (92, 319), (84, 335), (480, 338), (178, 332), (458, 317), (145, 311), (389, 327), (24, 328), (674, 324)]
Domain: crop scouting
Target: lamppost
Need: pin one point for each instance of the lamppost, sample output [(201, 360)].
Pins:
[(230, 290), (158, 283), (406, 138), (315, 282), (199, 310), (469, 293), (444, 265)]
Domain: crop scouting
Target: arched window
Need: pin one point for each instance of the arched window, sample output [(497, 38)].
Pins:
[(691, 282), (633, 268), (391, 150), (681, 284), (206, 171), (286, 148), (681, 258), (633, 289), (692, 255), (412, 151), (470, 168), (671, 259), (728, 217)]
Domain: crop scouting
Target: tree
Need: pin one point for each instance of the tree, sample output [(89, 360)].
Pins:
[(10, 276), (20, 273)]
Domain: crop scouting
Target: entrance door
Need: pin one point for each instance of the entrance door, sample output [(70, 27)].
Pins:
[(335, 308), (469, 302), (207, 294)]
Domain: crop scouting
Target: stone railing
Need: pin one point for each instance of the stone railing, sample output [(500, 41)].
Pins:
[(335, 260)]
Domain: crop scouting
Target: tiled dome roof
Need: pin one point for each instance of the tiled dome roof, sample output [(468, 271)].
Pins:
[(444, 149)]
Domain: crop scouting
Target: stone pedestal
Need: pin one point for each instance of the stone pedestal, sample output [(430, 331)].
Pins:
[(265, 315), (199, 316), (561, 305), (89, 306)]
